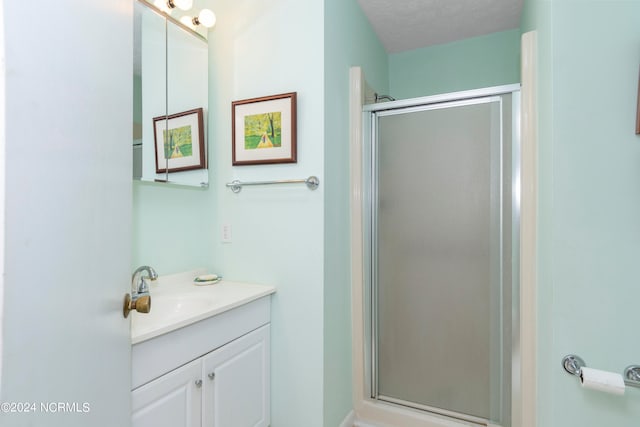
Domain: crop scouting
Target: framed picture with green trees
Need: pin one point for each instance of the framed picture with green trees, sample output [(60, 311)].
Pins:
[(179, 141), (264, 130)]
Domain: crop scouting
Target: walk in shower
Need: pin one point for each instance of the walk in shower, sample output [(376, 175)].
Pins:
[(441, 253)]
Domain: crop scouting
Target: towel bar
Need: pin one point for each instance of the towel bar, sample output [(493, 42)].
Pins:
[(312, 183)]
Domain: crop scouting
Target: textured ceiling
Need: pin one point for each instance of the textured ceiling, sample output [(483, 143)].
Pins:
[(411, 24)]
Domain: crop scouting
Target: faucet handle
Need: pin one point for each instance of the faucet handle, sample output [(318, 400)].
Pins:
[(143, 287), (142, 304)]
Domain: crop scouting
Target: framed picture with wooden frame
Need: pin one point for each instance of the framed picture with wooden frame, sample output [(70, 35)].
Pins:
[(264, 130), (179, 141)]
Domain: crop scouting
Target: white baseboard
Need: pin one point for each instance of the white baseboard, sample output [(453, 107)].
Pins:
[(352, 421), (349, 420), (358, 423)]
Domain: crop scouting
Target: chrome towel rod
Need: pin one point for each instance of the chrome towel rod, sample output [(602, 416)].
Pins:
[(312, 183)]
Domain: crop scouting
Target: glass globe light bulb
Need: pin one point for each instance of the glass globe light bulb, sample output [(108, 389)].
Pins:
[(183, 4), (186, 20), (207, 18)]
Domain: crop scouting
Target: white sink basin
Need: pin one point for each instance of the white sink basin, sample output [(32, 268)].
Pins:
[(176, 302), (176, 306)]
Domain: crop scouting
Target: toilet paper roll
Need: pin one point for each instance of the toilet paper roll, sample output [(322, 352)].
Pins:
[(608, 382)]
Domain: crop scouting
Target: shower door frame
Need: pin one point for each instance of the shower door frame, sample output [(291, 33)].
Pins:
[(370, 115)]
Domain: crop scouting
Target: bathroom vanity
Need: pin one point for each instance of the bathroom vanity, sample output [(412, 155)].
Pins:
[(201, 356)]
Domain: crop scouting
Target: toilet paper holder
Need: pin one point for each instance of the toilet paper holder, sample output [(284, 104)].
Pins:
[(573, 364)]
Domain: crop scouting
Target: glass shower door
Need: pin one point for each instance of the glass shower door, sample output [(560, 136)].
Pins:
[(441, 258)]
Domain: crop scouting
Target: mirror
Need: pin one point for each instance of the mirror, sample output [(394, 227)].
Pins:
[(170, 102)]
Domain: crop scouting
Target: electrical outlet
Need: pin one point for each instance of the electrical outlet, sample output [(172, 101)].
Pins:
[(226, 233)]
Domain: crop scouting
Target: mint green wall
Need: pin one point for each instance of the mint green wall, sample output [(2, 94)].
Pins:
[(259, 49), (349, 40), (589, 237), (172, 227), (490, 60)]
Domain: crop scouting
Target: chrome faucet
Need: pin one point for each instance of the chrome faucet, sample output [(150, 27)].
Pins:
[(139, 283), (139, 300)]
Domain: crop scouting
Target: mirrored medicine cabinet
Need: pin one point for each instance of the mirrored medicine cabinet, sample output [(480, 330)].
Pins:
[(170, 102)]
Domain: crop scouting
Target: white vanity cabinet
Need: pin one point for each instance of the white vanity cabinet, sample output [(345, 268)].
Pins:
[(173, 400), (211, 370), (228, 387), (237, 381)]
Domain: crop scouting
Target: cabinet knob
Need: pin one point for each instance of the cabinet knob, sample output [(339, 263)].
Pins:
[(212, 375), (198, 383)]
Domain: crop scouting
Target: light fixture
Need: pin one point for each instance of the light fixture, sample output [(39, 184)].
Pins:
[(206, 18), (180, 4), (163, 6)]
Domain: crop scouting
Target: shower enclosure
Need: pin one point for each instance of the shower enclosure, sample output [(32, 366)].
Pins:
[(441, 253)]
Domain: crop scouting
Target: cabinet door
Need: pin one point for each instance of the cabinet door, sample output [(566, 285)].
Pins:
[(237, 378), (173, 400)]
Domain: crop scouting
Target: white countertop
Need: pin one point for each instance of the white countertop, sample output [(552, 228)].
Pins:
[(176, 302)]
